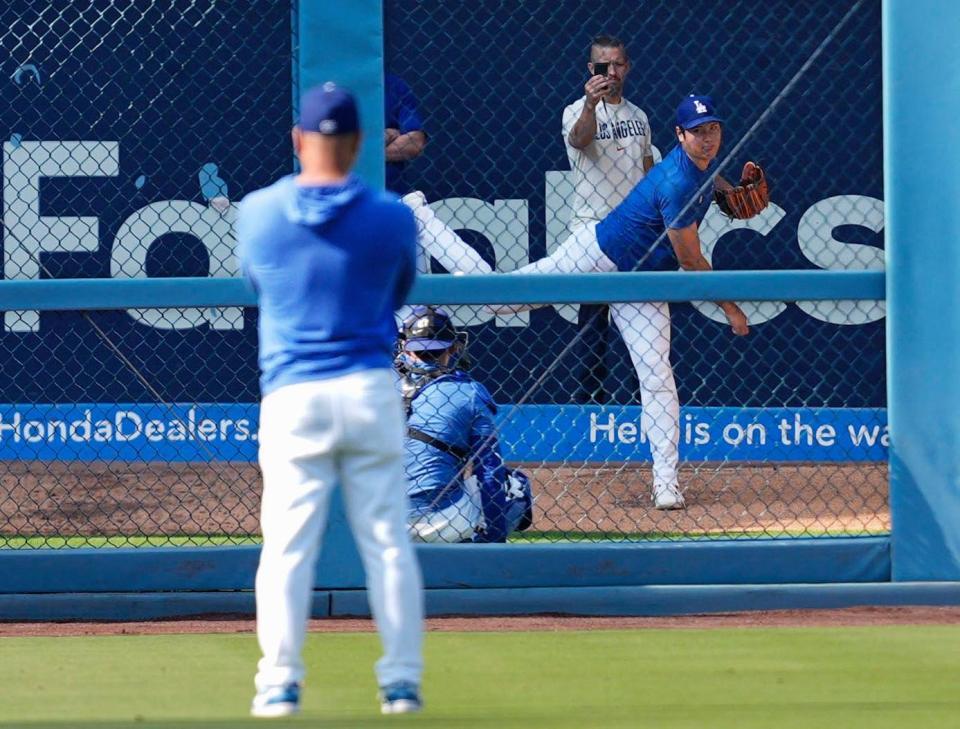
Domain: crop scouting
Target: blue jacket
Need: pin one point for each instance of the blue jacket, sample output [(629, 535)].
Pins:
[(330, 265)]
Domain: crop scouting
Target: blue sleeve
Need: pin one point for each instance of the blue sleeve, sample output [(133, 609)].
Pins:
[(407, 230), (402, 106), (489, 469), (671, 200)]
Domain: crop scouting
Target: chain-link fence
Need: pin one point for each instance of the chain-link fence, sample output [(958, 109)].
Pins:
[(132, 129), (539, 121)]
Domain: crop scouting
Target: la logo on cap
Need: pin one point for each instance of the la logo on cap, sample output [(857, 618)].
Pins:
[(699, 106), (421, 326)]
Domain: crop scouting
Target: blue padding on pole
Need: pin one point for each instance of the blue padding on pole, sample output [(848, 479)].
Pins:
[(660, 600), (678, 563), (99, 293), (651, 600), (921, 105), (474, 566), (343, 42), (107, 293), (652, 286), (129, 606), (122, 570)]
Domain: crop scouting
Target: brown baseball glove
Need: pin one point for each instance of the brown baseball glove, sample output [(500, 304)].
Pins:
[(746, 199)]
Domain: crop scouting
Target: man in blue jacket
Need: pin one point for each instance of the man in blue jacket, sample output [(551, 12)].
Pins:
[(331, 261), (450, 430)]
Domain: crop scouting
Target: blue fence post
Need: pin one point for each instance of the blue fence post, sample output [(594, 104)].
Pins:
[(343, 42), (921, 82)]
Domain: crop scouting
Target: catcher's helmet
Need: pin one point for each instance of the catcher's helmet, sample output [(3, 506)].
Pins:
[(427, 329)]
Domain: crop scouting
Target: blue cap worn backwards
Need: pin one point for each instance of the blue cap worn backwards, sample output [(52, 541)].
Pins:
[(696, 110), (328, 109)]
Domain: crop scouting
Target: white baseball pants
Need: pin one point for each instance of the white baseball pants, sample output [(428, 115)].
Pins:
[(454, 523), (645, 328), (314, 435), (437, 239)]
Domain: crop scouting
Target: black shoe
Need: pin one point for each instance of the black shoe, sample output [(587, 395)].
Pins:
[(526, 521)]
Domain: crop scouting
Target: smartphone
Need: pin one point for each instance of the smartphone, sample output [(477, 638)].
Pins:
[(600, 69)]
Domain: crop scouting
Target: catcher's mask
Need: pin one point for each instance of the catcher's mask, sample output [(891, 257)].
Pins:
[(428, 332), (427, 329)]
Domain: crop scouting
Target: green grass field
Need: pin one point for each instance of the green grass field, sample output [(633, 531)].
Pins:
[(880, 677), (529, 537)]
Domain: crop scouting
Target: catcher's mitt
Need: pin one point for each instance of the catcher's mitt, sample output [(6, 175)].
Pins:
[(748, 198)]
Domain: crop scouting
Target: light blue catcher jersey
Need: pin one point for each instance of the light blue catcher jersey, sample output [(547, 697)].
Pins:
[(330, 265), (458, 411), (628, 234)]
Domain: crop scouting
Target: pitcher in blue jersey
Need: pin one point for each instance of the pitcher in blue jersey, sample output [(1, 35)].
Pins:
[(331, 261), (459, 488), (655, 228)]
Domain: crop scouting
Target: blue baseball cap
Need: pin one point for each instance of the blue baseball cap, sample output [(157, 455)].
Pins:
[(696, 110), (328, 109)]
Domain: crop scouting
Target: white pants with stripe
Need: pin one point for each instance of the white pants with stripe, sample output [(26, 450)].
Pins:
[(349, 431), (454, 523), (460, 521), (645, 328), (438, 240)]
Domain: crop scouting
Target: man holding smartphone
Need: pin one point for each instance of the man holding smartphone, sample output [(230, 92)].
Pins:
[(609, 146)]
